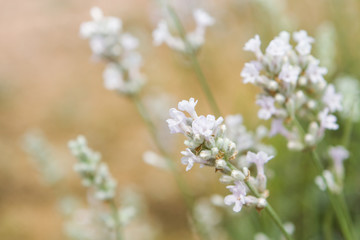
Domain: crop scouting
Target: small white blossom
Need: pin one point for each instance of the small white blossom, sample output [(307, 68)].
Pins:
[(304, 42), (237, 197), (267, 107), (202, 18), (338, 154), (277, 127), (253, 45), (316, 73), (327, 121), (278, 47), (289, 73), (206, 126), (177, 122), (190, 158), (189, 107), (332, 99), (113, 78), (129, 42), (250, 73), (259, 160), (161, 33)]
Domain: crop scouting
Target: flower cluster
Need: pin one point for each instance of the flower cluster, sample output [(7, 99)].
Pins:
[(196, 38), (118, 49), (93, 172), (294, 86), (334, 177), (208, 145)]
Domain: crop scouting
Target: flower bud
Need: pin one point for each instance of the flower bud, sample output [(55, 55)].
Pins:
[(226, 179), (311, 104), (302, 81), (261, 203), (214, 151), (309, 139), (295, 145), (237, 175), (273, 85), (205, 154), (279, 98), (220, 164)]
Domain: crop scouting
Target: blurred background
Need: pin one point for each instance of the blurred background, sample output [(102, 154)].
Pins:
[(49, 84)]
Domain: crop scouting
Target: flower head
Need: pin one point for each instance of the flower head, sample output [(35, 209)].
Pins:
[(237, 197)]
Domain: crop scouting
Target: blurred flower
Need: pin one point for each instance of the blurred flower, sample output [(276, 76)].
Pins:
[(292, 81), (195, 38), (94, 173)]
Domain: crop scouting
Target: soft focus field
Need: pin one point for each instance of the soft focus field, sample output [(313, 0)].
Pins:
[(48, 82)]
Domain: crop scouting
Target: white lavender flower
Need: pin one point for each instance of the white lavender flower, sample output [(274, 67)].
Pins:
[(293, 82), (155, 160), (332, 99), (118, 49), (238, 196), (349, 87), (196, 38), (208, 145), (338, 154), (327, 121), (253, 45), (103, 34), (93, 172), (267, 105)]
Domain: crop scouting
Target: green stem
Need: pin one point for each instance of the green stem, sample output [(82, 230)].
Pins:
[(116, 218), (339, 207), (185, 191), (339, 211), (194, 62), (268, 208), (347, 132), (327, 226)]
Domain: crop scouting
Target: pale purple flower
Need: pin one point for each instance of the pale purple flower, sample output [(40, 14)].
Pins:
[(206, 126), (190, 158), (277, 127), (238, 196), (338, 154), (202, 18), (289, 73), (315, 72), (327, 121), (304, 42), (234, 121), (113, 77), (161, 34), (177, 122), (278, 47), (332, 99), (267, 107), (189, 107), (253, 45), (129, 42), (259, 160), (250, 72)]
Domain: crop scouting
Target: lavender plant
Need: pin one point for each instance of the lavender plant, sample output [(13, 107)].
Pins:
[(208, 145), (298, 100), (95, 175), (122, 75)]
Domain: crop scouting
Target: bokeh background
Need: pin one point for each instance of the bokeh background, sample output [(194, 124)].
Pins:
[(49, 83)]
